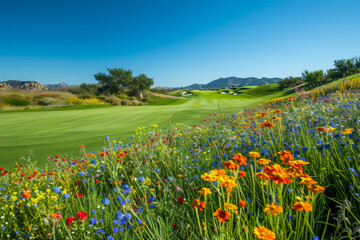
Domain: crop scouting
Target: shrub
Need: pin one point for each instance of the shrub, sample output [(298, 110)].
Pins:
[(16, 100), (46, 101)]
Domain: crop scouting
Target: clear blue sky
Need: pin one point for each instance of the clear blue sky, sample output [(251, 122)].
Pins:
[(177, 42)]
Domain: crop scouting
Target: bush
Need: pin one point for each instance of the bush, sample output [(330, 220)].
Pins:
[(16, 100), (46, 101)]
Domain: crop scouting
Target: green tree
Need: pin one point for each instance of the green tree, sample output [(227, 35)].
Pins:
[(115, 81), (313, 79), (139, 84), (120, 81)]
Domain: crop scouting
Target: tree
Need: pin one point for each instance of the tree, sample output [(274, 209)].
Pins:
[(290, 82), (139, 84), (119, 80), (313, 79)]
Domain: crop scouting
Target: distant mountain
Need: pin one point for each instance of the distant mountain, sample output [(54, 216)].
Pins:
[(33, 85), (234, 82), (58, 86)]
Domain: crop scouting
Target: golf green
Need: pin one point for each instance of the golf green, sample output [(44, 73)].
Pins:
[(41, 134)]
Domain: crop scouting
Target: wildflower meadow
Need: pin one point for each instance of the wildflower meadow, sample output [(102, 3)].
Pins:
[(286, 169)]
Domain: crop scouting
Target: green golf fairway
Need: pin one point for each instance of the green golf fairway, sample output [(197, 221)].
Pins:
[(40, 134)]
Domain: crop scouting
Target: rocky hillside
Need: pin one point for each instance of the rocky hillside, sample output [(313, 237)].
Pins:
[(26, 85)]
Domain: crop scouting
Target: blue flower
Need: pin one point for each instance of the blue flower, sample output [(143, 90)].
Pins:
[(119, 216), (115, 230), (127, 216), (66, 195), (106, 201), (93, 220), (57, 189)]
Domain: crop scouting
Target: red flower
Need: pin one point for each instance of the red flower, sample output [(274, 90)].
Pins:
[(69, 220), (181, 200), (81, 215), (79, 195), (174, 225)]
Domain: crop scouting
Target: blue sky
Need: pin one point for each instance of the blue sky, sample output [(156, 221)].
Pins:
[(177, 42)]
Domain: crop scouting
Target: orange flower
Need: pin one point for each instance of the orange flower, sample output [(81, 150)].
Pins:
[(347, 131), (26, 194), (263, 233), (276, 118), (122, 154), (230, 165), (321, 129), (275, 173), (285, 156), (89, 154), (205, 191), (198, 204), (290, 99), (273, 209), (242, 174), (231, 206), (240, 159), (267, 124), (302, 206), (316, 188), (254, 154), (207, 177), (276, 111), (82, 146), (222, 216), (242, 203), (263, 161)]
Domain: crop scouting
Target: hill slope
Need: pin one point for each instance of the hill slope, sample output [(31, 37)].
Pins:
[(234, 82)]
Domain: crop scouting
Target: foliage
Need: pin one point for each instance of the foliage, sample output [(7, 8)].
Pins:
[(290, 82), (120, 81), (313, 79)]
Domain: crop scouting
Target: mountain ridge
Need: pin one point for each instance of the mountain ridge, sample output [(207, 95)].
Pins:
[(234, 82)]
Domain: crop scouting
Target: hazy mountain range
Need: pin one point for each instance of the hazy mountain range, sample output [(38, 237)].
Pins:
[(234, 82)]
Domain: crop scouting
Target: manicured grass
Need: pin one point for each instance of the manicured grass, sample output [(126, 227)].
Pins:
[(40, 134)]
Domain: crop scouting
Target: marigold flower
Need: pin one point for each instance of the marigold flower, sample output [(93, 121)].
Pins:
[(205, 191), (222, 216), (240, 159), (198, 204), (263, 161), (254, 154), (230, 165), (302, 206), (263, 233), (267, 124), (285, 156), (273, 209), (347, 131), (276, 118), (242, 174), (321, 129), (231, 206), (242, 203), (207, 177), (26, 194), (316, 188), (276, 111)]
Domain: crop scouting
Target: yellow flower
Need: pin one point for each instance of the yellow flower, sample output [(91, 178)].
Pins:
[(205, 191)]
